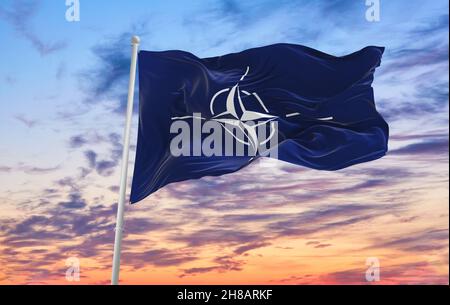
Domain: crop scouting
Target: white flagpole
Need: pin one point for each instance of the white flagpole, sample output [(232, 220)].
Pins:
[(124, 171)]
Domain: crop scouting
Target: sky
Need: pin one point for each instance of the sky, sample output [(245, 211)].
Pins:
[(63, 89)]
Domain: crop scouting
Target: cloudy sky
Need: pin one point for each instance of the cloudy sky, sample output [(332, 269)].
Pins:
[(62, 95)]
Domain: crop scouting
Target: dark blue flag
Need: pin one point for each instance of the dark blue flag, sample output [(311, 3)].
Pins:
[(283, 101)]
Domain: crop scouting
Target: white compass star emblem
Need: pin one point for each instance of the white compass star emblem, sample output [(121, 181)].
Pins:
[(237, 115)]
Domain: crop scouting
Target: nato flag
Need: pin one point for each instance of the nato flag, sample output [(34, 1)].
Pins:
[(318, 109)]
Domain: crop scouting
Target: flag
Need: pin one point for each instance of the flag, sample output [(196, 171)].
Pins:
[(212, 116)]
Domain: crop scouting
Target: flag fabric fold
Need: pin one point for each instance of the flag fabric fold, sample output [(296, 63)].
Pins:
[(323, 106)]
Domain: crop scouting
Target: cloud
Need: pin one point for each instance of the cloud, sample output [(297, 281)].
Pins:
[(109, 76), (19, 16), (240, 191), (251, 246), (113, 65), (317, 244), (421, 101), (418, 272), (322, 246), (67, 181), (437, 25), (39, 170), (25, 225), (424, 241), (31, 232), (10, 80), (158, 257), (75, 202), (431, 147), (329, 217), (408, 58), (91, 156), (58, 226), (106, 167), (342, 12), (5, 169), (211, 236), (138, 225), (114, 188), (420, 136), (61, 72), (29, 169), (230, 7), (221, 264), (78, 229), (77, 141), (197, 270), (248, 232), (417, 69), (30, 123)]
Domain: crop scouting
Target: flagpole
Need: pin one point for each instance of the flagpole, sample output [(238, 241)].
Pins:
[(124, 170)]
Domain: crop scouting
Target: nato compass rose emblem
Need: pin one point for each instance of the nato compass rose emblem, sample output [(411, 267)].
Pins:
[(236, 115)]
